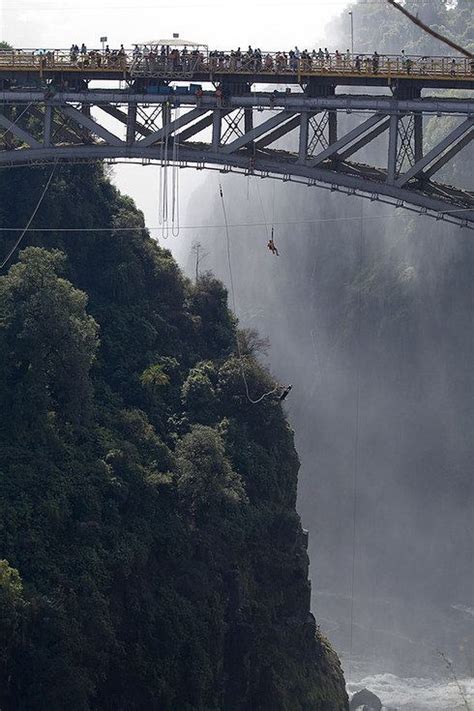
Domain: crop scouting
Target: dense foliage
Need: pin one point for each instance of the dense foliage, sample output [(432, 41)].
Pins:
[(379, 26), (152, 555)]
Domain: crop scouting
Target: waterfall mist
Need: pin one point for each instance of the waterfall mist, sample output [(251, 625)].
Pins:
[(367, 304)]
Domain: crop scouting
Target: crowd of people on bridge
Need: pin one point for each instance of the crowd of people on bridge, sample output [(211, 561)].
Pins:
[(294, 60), (176, 58), (97, 58)]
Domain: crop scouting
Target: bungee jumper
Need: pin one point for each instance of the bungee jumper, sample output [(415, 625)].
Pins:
[(285, 393), (271, 246)]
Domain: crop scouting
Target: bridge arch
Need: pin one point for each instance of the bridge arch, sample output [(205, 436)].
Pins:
[(267, 167)]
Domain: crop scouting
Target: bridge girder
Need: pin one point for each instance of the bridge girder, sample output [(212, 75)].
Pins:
[(242, 133)]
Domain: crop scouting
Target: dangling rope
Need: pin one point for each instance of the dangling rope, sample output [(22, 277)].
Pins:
[(175, 184), (37, 207), (263, 209), (163, 207), (231, 277), (274, 249), (160, 189), (270, 228), (355, 474)]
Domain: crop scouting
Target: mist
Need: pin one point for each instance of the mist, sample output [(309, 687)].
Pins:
[(369, 312)]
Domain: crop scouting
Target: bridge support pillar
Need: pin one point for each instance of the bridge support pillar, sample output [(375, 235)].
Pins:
[(166, 114), (248, 126), (418, 136), (248, 120), (47, 126), (216, 129), (131, 124), (303, 140), (332, 127), (392, 149)]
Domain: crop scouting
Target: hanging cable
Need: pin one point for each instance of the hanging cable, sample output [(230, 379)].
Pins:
[(209, 227), (232, 290), (175, 183), (356, 455), (263, 209), (160, 187), (37, 207), (164, 205), (273, 222)]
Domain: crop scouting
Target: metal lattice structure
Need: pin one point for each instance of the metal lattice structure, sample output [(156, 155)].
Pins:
[(289, 136)]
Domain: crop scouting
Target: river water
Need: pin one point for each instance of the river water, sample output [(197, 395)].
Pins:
[(417, 693), (417, 658)]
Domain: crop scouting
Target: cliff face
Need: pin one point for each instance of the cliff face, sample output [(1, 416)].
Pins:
[(152, 555)]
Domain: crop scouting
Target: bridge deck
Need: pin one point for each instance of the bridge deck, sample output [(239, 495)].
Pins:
[(433, 72)]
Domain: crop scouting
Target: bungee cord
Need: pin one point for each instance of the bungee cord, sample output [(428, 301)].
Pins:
[(25, 229), (232, 291), (356, 454)]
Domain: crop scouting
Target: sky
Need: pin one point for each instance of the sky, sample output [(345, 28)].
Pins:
[(268, 24), (264, 23)]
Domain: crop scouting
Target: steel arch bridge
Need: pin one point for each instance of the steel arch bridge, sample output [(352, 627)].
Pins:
[(306, 132)]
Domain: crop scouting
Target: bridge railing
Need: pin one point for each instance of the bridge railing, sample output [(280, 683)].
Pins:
[(61, 59), (177, 65)]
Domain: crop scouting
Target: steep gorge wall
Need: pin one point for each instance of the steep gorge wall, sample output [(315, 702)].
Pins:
[(152, 554)]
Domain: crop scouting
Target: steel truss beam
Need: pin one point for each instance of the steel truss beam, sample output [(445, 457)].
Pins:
[(237, 137), (18, 132), (435, 152), (85, 121)]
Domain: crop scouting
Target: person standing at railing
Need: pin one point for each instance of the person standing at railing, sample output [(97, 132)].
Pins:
[(248, 60), (238, 58), (403, 60), (375, 62), (185, 58), (347, 59), (306, 60), (293, 60), (268, 63)]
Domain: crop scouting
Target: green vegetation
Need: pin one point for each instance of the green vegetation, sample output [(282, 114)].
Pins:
[(380, 26), (151, 554)]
